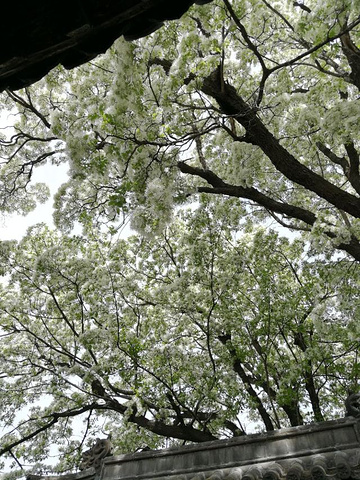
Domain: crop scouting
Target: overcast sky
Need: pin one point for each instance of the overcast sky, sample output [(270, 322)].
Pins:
[(13, 227)]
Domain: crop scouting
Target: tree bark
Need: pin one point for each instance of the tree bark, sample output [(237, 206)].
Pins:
[(219, 187), (231, 103), (309, 379), (238, 368)]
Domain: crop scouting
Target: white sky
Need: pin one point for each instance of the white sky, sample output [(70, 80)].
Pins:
[(13, 227)]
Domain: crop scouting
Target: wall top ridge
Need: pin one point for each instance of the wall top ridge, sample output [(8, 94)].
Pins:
[(323, 451)]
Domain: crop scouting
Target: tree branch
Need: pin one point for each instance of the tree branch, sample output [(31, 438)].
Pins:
[(238, 368), (28, 105), (55, 418), (353, 174), (352, 54), (231, 103), (222, 188)]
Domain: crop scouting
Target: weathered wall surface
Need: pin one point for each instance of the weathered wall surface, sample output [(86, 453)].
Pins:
[(325, 451)]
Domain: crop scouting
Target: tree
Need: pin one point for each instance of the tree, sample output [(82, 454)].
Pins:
[(244, 99), (186, 338), (245, 113)]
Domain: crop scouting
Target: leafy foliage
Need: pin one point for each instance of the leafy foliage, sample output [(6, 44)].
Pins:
[(183, 337), (240, 114), (245, 99)]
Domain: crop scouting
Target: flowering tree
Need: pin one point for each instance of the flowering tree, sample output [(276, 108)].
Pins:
[(187, 338), (244, 112), (246, 98)]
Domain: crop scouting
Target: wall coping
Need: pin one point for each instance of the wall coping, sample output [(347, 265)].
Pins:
[(319, 451)]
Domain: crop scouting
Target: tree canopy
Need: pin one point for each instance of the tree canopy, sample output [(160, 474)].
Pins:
[(213, 135), (187, 337)]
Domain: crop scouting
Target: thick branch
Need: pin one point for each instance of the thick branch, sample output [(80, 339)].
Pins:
[(182, 432), (352, 53), (309, 379), (256, 133), (219, 187), (238, 368), (159, 427), (354, 166)]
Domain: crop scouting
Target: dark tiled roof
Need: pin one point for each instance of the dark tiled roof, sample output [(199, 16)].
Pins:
[(37, 35)]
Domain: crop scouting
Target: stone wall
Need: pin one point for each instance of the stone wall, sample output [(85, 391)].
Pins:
[(325, 451)]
